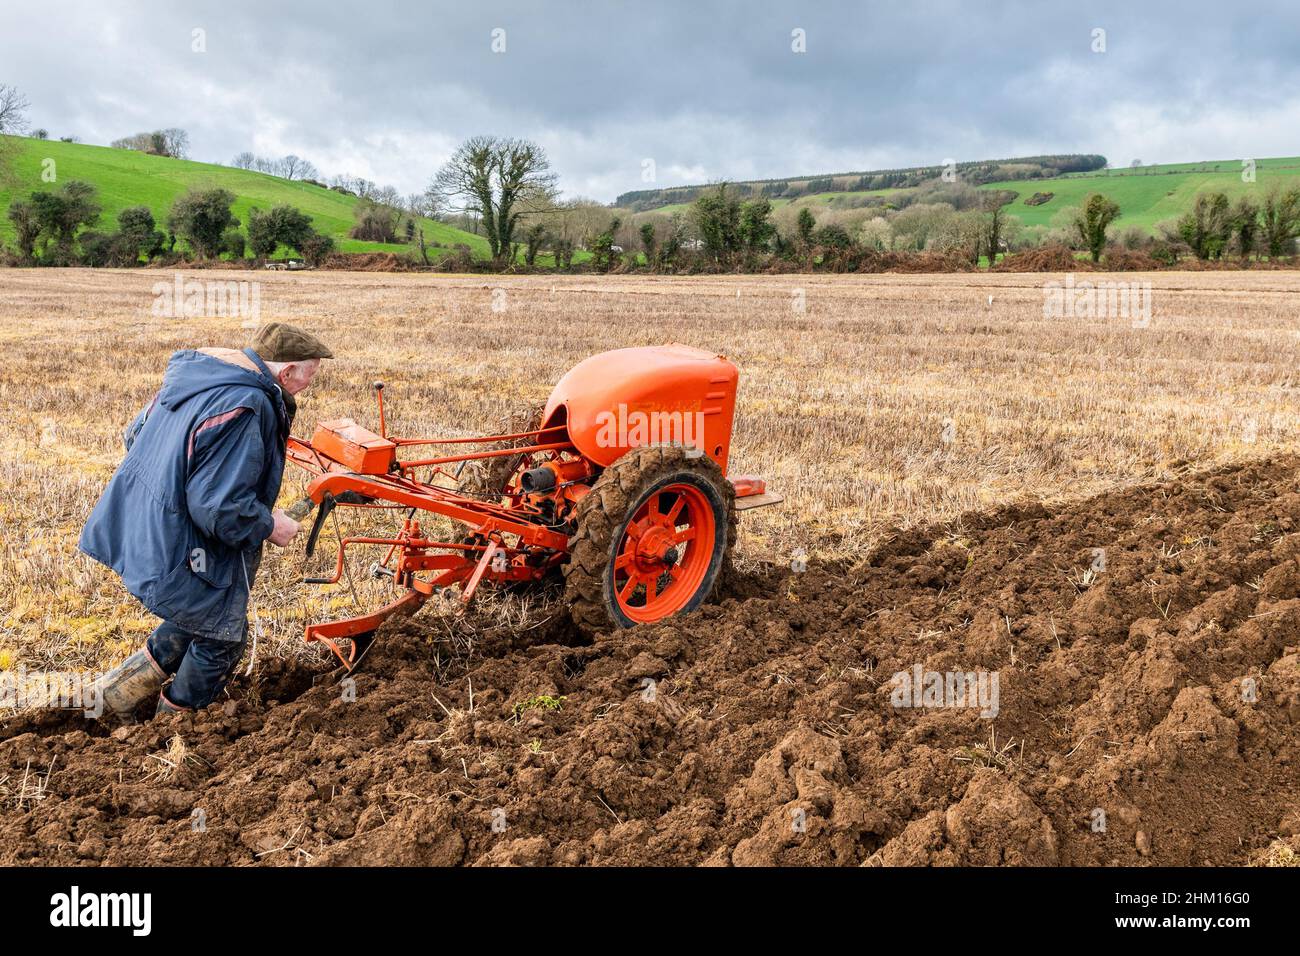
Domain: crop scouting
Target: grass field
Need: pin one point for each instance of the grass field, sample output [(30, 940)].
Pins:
[(817, 201), (1147, 195), (127, 178), (889, 400)]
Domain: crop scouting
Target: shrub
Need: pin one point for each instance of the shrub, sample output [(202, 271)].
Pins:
[(201, 217), (316, 247), (375, 222), (832, 236), (1092, 222), (60, 214), (137, 234), (27, 228), (96, 248), (284, 224), (232, 243)]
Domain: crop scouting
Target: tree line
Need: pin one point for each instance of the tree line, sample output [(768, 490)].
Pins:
[(57, 227)]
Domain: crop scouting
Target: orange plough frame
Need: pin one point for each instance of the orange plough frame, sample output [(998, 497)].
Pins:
[(520, 534)]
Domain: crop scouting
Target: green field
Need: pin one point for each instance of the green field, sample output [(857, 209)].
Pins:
[(817, 201), (127, 178), (1148, 194)]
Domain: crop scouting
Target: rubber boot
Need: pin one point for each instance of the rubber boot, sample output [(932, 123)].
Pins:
[(131, 683), (166, 707)]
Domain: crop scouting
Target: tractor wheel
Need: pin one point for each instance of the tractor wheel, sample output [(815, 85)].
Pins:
[(654, 534)]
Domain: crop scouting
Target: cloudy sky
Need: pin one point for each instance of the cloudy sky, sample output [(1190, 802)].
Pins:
[(706, 90)]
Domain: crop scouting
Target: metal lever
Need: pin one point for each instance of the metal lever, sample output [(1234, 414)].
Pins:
[(326, 506)]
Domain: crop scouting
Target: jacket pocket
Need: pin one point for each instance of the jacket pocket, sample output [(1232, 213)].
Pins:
[(193, 595)]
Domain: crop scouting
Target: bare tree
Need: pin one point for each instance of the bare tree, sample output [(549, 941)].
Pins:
[(171, 142), (244, 160), (500, 181), (13, 110), (290, 166), (13, 121), (388, 196), (428, 204), (176, 142)]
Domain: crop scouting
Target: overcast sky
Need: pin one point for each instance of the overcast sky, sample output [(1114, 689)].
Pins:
[(386, 89)]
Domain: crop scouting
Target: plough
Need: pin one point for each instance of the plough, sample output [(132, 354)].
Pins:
[(621, 487)]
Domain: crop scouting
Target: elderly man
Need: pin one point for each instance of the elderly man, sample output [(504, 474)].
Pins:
[(183, 519)]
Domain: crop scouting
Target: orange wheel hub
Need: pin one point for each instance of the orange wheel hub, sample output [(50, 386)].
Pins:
[(664, 554)]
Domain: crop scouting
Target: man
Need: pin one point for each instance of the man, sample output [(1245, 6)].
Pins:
[(183, 519)]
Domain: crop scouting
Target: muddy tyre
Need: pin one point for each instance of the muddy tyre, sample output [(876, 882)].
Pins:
[(654, 535)]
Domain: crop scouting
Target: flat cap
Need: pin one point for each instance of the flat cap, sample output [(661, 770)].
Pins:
[(282, 342)]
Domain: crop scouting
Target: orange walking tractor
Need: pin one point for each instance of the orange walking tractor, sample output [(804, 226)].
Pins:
[(621, 487)]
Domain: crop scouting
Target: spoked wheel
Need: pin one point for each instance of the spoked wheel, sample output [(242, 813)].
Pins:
[(653, 535)]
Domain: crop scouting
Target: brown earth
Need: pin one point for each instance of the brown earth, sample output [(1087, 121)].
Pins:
[(761, 730)]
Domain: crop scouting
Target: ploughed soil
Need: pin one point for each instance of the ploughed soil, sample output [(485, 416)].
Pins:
[(1147, 713)]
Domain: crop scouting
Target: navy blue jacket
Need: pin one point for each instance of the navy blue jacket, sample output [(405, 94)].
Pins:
[(193, 497)]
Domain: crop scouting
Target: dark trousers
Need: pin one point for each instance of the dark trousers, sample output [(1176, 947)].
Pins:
[(200, 667)]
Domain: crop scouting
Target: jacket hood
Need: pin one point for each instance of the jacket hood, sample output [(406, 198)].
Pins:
[(193, 371)]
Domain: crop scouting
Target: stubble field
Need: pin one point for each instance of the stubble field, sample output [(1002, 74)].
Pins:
[(952, 463), (870, 403)]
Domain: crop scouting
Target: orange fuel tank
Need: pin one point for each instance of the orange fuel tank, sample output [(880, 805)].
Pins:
[(662, 394)]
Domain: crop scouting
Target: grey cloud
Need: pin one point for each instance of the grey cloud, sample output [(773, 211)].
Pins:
[(707, 90)]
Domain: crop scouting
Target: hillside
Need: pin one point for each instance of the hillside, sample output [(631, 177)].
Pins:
[(870, 181), (126, 178), (1147, 194)]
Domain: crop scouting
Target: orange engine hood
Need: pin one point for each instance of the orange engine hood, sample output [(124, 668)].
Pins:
[(661, 394)]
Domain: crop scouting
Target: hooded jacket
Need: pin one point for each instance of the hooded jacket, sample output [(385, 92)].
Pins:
[(193, 497)]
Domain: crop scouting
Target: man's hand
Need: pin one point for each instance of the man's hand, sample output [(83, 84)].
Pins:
[(286, 529)]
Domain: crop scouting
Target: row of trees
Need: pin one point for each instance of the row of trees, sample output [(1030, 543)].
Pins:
[(286, 167), (293, 167), (49, 227), (1215, 224), (172, 142), (726, 229)]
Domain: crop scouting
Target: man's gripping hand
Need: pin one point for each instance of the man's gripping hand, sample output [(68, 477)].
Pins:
[(286, 529)]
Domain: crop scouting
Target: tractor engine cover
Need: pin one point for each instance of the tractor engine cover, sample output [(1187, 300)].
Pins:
[(664, 394), (360, 449)]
